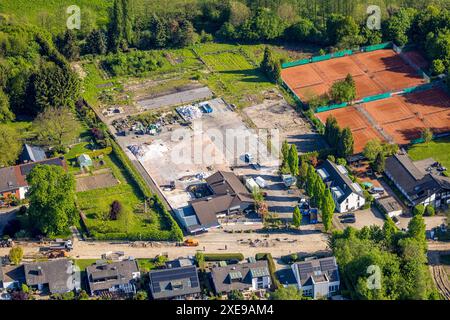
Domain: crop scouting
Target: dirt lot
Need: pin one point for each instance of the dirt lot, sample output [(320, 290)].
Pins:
[(211, 143), (293, 128), (96, 181)]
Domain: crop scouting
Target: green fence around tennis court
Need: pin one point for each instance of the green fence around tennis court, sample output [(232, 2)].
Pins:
[(331, 107), (338, 54), (375, 47), (376, 97)]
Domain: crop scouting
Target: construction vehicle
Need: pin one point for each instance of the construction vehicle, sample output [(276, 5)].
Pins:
[(59, 244), (191, 243)]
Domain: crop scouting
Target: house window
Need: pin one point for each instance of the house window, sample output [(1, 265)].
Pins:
[(307, 293)]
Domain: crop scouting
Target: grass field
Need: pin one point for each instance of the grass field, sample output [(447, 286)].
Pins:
[(233, 75), (51, 14), (96, 205), (439, 150)]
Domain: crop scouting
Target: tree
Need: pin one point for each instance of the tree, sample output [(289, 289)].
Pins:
[(429, 210), (399, 24), (239, 13), (389, 232), (52, 199), (343, 31), (332, 131), (270, 66), (427, 136), (53, 86), (10, 145), (115, 210), (293, 160), (345, 143), (141, 295), (327, 208), (115, 28), (437, 67), (284, 155), (68, 46), (418, 210), (417, 228), (300, 31), (344, 90), (297, 217), (96, 42), (16, 255), (5, 111), (288, 293), (379, 163), (56, 127)]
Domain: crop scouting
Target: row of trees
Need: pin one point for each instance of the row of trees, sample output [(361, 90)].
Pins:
[(290, 159), (384, 263), (340, 140), (320, 195)]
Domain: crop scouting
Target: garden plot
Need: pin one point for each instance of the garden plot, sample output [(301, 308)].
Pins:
[(95, 181), (172, 157)]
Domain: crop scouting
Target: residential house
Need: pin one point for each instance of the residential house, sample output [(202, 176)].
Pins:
[(32, 154), (418, 181), (249, 276), (175, 283), (13, 180), (347, 195), (116, 277), (317, 278), (56, 276), (229, 196), (11, 276)]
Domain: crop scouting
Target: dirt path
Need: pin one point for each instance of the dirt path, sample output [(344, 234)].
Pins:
[(217, 241)]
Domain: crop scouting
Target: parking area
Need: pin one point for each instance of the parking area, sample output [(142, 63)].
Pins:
[(293, 128)]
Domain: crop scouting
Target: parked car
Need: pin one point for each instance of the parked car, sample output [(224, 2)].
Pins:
[(348, 220), (347, 215)]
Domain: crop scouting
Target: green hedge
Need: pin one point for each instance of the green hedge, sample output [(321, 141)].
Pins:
[(223, 256), (175, 234), (272, 268)]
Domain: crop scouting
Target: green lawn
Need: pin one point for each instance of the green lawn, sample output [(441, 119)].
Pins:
[(439, 150), (134, 224), (235, 76)]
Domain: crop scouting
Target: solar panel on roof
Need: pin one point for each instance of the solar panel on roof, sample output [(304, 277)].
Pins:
[(194, 282)]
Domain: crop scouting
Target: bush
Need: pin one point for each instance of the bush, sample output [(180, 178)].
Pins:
[(116, 209), (272, 269), (223, 256), (418, 210), (429, 211)]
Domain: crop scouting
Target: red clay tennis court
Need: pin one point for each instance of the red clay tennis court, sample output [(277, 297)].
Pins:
[(404, 117), (352, 118), (388, 110), (374, 73)]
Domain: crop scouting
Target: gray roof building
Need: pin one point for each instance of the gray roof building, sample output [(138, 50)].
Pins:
[(243, 276), (228, 195), (57, 275), (32, 154), (11, 275), (317, 277), (417, 185), (174, 283), (118, 277)]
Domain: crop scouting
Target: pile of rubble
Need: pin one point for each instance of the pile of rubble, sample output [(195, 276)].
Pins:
[(189, 112)]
